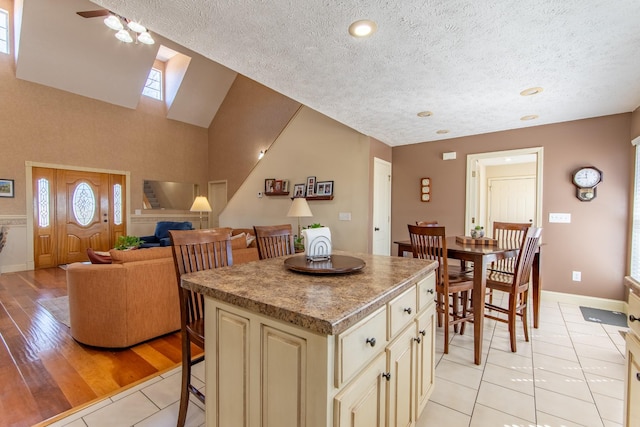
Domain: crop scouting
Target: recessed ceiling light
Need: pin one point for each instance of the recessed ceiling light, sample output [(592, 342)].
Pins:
[(362, 28), (529, 117), (531, 91), (425, 114), (442, 131)]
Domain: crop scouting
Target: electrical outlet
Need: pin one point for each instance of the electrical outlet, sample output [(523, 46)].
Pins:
[(576, 276)]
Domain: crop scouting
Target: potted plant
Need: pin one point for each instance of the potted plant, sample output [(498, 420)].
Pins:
[(128, 242), (477, 232)]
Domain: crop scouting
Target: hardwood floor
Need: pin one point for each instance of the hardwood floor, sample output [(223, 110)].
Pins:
[(44, 371)]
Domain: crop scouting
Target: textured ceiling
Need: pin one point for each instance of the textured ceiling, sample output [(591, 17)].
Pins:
[(466, 61)]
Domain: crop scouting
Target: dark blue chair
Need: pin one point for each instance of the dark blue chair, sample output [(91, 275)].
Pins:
[(161, 235)]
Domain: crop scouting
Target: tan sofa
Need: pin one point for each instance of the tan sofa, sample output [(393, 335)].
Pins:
[(133, 299)]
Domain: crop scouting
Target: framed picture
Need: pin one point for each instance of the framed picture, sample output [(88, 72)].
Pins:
[(285, 185), (269, 185), (6, 188), (298, 190), (277, 187), (324, 188), (311, 186)]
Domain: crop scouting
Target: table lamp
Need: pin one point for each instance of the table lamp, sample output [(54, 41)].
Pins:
[(200, 204), (299, 208)]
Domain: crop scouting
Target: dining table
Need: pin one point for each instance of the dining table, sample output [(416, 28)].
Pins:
[(482, 256)]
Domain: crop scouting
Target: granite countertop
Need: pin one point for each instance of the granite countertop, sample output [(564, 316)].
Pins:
[(325, 304)]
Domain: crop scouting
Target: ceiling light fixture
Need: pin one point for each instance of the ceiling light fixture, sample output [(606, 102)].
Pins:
[(442, 131), (362, 28), (261, 154), (425, 114), (529, 117), (125, 27), (531, 91)]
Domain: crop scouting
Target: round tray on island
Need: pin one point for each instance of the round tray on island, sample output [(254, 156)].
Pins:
[(337, 264)]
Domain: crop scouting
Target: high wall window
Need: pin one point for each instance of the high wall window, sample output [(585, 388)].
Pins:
[(635, 232), (153, 86), (4, 31)]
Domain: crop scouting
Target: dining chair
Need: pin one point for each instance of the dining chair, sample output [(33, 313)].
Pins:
[(508, 234), (516, 285), (274, 240), (195, 250), (426, 223), (430, 243)]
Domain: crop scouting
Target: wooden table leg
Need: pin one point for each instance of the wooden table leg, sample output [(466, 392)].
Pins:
[(536, 281), (479, 290)]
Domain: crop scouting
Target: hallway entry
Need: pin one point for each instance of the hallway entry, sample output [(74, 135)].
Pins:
[(75, 210)]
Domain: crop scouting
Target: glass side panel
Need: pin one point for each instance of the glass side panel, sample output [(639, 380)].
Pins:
[(153, 86), (43, 202), (84, 204), (117, 204), (4, 31)]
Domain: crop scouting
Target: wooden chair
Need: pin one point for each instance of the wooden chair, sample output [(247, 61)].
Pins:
[(508, 234), (516, 285), (195, 250), (426, 223), (430, 243), (274, 240)]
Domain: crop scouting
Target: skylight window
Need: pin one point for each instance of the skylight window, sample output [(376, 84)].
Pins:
[(4, 31), (153, 86)]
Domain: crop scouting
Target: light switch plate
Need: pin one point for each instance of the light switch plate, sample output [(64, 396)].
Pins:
[(564, 218), (344, 216)]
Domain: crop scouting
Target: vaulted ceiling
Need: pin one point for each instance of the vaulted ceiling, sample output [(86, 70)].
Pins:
[(465, 61)]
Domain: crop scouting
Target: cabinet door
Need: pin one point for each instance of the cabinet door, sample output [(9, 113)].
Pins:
[(363, 402), (632, 386), (401, 359), (425, 357), (227, 386), (284, 374)]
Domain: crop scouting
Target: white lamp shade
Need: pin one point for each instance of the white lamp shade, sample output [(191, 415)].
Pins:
[(124, 36), (145, 38), (200, 204), (113, 22), (137, 27), (299, 208)]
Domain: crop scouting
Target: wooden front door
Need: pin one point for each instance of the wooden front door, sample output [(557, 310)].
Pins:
[(73, 211)]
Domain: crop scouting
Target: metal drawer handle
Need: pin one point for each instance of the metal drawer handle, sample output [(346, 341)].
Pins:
[(418, 340), (633, 318), (430, 291), (408, 310), (371, 342), (423, 332), (387, 375)]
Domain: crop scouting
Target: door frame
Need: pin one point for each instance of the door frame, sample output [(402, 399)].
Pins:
[(476, 187), (210, 196), (29, 165)]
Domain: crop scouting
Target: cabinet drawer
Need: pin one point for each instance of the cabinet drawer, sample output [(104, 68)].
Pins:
[(426, 291), (359, 344), (401, 311), (634, 309)]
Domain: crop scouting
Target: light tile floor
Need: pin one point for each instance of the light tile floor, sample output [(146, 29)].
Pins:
[(571, 373)]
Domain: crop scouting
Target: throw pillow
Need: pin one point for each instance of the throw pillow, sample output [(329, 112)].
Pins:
[(99, 257), (250, 239)]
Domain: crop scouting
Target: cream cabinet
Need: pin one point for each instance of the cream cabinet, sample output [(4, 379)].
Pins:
[(632, 379), (262, 372)]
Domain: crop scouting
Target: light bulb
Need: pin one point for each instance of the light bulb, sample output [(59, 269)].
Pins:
[(124, 36), (113, 22)]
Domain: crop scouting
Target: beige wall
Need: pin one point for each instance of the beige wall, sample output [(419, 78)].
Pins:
[(311, 145), (594, 243), (249, 119), (635, 123)]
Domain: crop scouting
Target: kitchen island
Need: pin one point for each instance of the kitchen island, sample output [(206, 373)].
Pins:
[(285, 348)]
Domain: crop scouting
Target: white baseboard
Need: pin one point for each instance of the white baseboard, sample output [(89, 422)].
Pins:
[(601, 303), (13, 268)]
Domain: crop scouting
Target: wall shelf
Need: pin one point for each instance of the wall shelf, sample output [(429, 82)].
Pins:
[(319, 198), (276, 193)]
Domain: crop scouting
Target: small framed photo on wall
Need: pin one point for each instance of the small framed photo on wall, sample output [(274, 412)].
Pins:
[(299, 190), (311, 186), (269, 185), (324, 188), (6, 188)]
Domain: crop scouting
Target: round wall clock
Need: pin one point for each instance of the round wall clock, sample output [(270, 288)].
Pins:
[(586, 179)]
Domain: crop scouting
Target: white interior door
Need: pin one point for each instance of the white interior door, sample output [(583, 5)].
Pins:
[(218, 199), (381, 207), (511, 200)]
